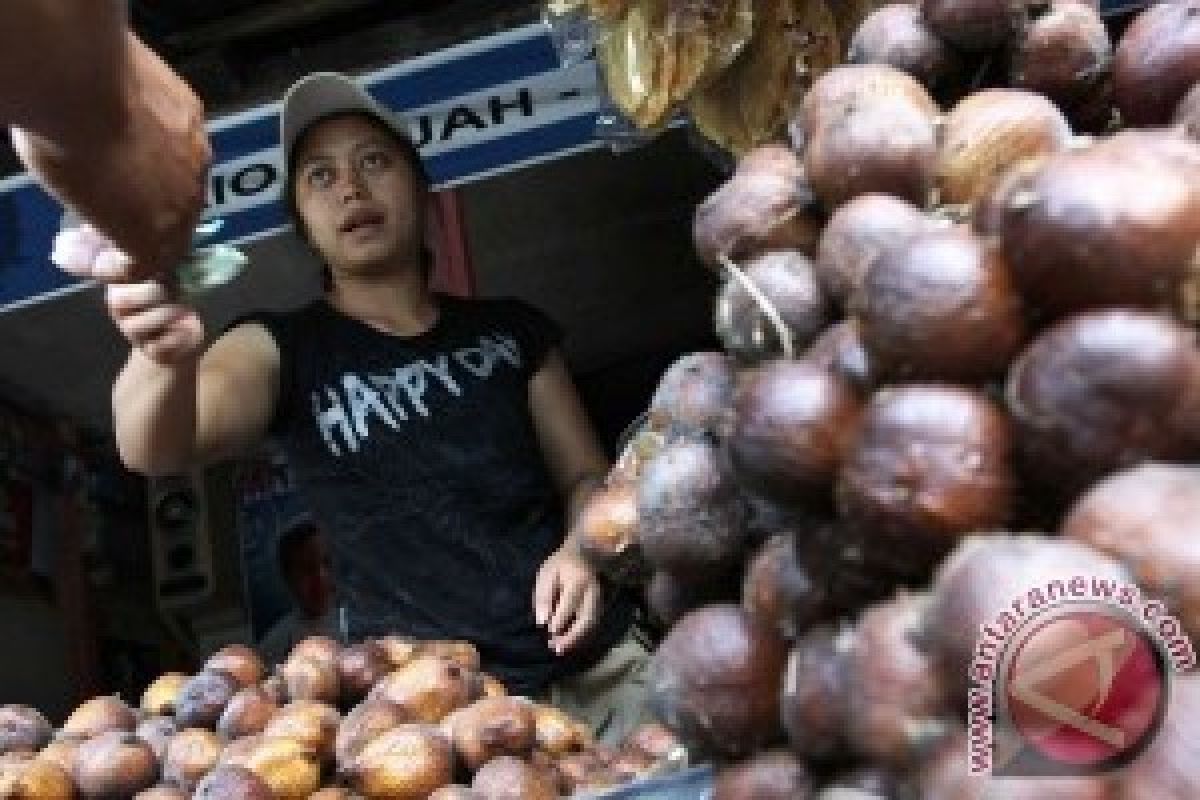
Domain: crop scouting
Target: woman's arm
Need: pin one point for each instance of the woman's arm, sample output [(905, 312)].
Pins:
[(567, 593)]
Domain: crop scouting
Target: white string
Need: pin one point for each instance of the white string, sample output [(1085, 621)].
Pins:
[(768, 308)]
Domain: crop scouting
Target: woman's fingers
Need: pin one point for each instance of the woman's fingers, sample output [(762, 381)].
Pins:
[(124, 299)]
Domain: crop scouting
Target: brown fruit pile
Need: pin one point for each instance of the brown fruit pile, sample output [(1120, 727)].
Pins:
[(387, 719), (958, 363)]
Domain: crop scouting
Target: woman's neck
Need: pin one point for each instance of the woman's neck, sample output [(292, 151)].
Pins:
[(399, 303)]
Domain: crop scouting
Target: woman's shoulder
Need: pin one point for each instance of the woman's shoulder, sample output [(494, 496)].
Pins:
[(280, 323)]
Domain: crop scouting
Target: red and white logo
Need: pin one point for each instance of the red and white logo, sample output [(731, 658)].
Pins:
[(1084, 688), (1072, 679)]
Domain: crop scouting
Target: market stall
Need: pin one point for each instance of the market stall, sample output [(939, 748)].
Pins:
[(946, 445)]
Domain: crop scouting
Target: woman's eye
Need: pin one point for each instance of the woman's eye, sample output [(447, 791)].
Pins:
[(320, 177), (376, 159)]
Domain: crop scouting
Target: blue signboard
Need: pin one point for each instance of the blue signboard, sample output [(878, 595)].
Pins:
[(475, 110)]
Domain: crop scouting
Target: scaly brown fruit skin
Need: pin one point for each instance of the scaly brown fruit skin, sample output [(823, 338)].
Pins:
[(291, 770), (312, 724), (888, 148), (693, 394), (814, 702), (1157, 62), (773, 775), (781, 590), (764, 206), (204, 698), (897, 705), (247, 713), (1067, 56), (334, 793), (162, 696), (981, 579), (977, 25), (25, 777), (63, 752), (789, 283), (100, 715), (23, 729), (462, 653), (311, 680), (1187, 116), (229, 781), (1113, 225), (692, 519), (427, 689), (156, 732), (857, 234), (988, 133), (240, 662), (897, 36), (114, 764), (715, 681), (931, 464), (840, 350), (399, 650), (321, 649), (489, 728), (360, 667), (190, 755), (792, 423), (1146, 518), (941, 307), (944, 777), (856, 85), (556, 733), (508, 778), (606, 531), (408, 762), (1104, 391), (364, 723)]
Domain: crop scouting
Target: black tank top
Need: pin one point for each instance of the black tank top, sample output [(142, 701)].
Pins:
[(419, 458)]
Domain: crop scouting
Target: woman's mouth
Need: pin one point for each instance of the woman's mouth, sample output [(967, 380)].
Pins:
[(361, 221)]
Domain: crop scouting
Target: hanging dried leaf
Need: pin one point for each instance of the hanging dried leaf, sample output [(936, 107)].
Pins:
[(794, 42)]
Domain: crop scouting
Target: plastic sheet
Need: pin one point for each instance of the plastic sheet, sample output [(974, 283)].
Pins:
[(653, 54), (695, 783), (572, 29)]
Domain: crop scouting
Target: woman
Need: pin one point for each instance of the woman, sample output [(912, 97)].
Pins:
[(440, 440)]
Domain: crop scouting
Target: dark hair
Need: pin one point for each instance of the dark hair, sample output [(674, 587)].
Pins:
[(407, 149)]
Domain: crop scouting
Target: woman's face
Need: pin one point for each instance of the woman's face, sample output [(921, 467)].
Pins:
[(358, 197)]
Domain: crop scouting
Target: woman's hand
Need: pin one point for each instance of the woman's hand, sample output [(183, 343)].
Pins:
[(146, 312), (566, 599)]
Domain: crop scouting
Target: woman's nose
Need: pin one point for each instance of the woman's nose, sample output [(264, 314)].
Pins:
[(352, 185)]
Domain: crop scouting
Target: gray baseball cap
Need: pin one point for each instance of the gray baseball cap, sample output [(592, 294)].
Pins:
[(323, 94)]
